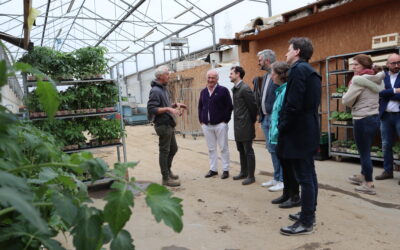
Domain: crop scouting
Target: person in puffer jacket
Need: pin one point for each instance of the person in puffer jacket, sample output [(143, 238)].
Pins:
[(363, 99)]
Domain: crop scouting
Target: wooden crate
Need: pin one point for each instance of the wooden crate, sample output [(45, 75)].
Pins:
[(387, 40)]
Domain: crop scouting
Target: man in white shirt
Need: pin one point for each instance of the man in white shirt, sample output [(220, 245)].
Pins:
[(389, 112)]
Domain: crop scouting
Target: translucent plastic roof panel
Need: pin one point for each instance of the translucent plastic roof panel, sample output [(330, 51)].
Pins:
[(124, 26)]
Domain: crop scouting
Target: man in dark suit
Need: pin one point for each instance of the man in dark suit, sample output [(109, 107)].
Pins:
[(299, 131), (389, 112), (265, 98), (244, 117)]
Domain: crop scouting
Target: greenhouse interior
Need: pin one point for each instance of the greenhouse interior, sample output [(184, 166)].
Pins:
[(199, 124)]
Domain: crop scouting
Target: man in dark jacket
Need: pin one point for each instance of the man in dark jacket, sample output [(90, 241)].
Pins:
[(389, 112), (265, 98), (244, 117), (163, 115), (299, 130), (215, 110)]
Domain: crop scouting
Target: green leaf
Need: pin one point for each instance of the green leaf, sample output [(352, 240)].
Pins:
[(122, 241), (117, 210), (120, 168), (87, 233), (3, 73), (50, 244), (107, 234), (97, 167), (78, 158), (9, 196), (164, 207), (65, 208), (12, 181), (48, 97)]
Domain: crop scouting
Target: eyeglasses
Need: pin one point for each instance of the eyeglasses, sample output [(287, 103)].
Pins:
[(394, 63)]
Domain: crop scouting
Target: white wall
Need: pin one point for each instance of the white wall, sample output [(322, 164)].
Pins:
[(9, 99)]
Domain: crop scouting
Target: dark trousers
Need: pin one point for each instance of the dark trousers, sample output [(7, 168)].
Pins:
[(364, 133), (291, 186), (304, 170), (167, 148), (390, 127), (247, 158)]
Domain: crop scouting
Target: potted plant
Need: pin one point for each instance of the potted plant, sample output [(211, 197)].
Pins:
[(91, 62), (340, 92), (341, 118), (42, 58), (73, 134)]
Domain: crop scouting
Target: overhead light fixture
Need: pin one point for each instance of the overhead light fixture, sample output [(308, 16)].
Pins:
[(182, 13), (70, 6), (147, 34)]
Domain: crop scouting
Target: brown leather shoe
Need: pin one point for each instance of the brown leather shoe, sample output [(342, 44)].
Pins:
[(385, 175), (171, 183), (173, 176)]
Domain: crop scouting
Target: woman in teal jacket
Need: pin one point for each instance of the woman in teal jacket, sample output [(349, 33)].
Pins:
[(290, 196)]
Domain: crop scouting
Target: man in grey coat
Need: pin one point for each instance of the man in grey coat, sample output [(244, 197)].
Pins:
[(163, 114), (244, 117)]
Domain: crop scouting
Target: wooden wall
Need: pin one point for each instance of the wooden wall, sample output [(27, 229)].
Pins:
[(347, 33), (185, 86)]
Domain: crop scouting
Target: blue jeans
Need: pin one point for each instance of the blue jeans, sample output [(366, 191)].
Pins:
[(265, 123), (390, 126), (364, 133), (306, 176)]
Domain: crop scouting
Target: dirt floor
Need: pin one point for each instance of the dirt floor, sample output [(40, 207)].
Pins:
[(223, 214)]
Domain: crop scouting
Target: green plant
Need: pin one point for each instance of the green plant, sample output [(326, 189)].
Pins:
[(353, 146), (90, 61), (396, 148), (40, 195), (340, 116), (375, 149), (73, 133), (341, 89), (42, 58), (103, 129)]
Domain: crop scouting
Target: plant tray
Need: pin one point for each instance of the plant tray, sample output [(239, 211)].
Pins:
[(337, 95), (347, 123)]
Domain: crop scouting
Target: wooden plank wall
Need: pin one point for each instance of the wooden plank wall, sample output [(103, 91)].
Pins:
[(185, 86), (342, 34)]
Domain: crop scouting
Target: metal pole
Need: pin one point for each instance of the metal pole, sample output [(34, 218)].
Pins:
[(328, 105), (269, 8), (213, 33), (122, 116), (154, 56), (138, 78), (123, 75)]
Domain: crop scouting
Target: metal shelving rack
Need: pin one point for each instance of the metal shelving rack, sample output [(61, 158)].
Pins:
[(344, 70), (27, 84)]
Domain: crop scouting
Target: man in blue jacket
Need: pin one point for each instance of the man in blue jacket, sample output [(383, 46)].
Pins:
[(389, 112), (215, 109), (299, 130)]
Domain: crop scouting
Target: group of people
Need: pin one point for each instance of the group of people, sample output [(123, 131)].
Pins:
[(374, 99), (286, 101)]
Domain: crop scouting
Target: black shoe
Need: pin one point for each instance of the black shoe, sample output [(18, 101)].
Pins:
[(173, 176), (248, 181), (280, 199), (292, 202), (210, 173), (240, 177), (297, 229), (225, 175), (296, 217)]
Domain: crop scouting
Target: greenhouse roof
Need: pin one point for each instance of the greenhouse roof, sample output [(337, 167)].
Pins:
[(127, 28)]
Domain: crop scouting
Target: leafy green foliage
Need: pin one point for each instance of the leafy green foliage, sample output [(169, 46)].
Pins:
[(164, 207), (341, 89), (121, 200), (41, 196), (48, 97), (341, 116)]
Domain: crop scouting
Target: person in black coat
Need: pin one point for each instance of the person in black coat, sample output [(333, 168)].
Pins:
[(244, 117), (299, 131)]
